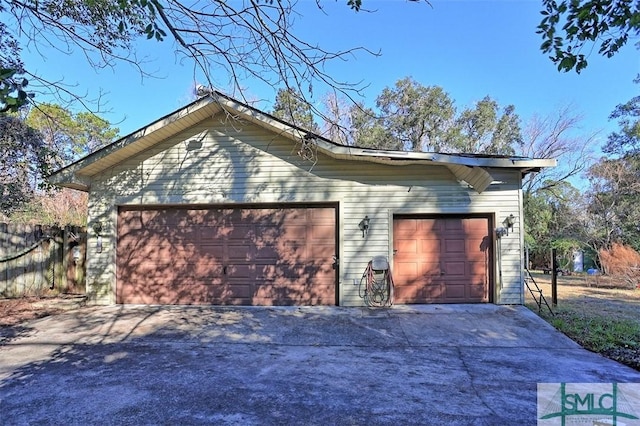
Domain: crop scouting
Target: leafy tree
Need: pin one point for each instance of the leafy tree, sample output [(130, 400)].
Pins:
[(419, 118), (554, 210), (369, 131), (614, 202), (570, 27), (69, 135), (538, 231), (234, 40), (626, 141), (12, 86), (414, 117), (31, 147), (24, 157), (552, 220), (481, 130), (292, 107)]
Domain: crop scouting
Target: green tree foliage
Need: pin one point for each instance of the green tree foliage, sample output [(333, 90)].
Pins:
[(13, 92), (417, 117), (552, 220), (614, 193), (293, 108), (569, 29), (30, 148), (626, 141), (413, 117), (24, 158), (614, 202), (537, 231), (69, 135), (483, 129), (369, 131), (554, 209)]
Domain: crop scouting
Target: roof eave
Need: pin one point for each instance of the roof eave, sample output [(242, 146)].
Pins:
[(471, 169)]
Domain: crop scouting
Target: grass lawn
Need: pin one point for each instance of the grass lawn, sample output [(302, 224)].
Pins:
[(592, 312)]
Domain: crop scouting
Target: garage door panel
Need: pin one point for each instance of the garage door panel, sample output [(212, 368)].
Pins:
[(476, 246), (264, 254), (211, 233), (284, 294), (202, 267), (229, 290), (404, 247), (321, 215), (477, 290), (428, 245), (293, 233), (211, 251), (454, 246), (430, 269), (161, 236), (242, 233), (453, 225), (455, 290), (406, 228), (237, 253), (322, 251), (406, 270), (476, 269), (323, 232), (428, 225), (226, 256), (455, 269), (239, 271), (441, 260)]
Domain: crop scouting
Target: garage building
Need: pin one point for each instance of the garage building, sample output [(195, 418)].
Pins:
[(220, 203)]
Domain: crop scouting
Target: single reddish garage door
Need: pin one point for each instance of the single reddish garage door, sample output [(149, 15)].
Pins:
[(227, 256), (441, 259)]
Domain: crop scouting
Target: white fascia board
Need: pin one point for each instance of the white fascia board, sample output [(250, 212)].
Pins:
[(347, 152), (68, 178), (444, 159)]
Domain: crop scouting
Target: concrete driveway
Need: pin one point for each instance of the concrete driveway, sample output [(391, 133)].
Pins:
[(432, 364)]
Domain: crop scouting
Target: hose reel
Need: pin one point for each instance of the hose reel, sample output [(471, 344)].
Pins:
[(376, 284)]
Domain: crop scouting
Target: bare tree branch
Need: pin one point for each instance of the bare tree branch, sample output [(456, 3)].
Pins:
[(557, 135)]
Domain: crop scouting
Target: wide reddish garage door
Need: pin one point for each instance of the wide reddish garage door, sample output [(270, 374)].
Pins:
[(441, 259), (239, 256)]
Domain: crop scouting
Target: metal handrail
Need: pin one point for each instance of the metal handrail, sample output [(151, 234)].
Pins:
[(540, 299)]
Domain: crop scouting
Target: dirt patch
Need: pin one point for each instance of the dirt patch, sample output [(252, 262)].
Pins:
[(17, 311)]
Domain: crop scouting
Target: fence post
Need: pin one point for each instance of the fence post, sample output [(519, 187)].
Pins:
[(64, 283), (4, 267), (554, 277)]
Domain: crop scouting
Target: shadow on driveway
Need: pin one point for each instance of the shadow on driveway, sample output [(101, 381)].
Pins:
[(429, 364)]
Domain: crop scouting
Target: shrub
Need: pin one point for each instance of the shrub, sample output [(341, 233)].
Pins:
[(622, 262)]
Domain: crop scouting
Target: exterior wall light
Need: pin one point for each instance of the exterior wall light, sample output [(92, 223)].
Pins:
[(97, 228), (364, 225), (508, 222)]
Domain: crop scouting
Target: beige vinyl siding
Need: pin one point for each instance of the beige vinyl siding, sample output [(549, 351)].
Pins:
[(217, 162)]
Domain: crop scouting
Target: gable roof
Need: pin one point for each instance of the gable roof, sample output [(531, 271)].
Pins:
[(471, 168)]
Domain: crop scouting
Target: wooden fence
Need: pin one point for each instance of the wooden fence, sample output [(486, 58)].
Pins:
[(38, 260)]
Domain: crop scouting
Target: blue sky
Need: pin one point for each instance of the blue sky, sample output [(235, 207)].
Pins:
[(469, 48)]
